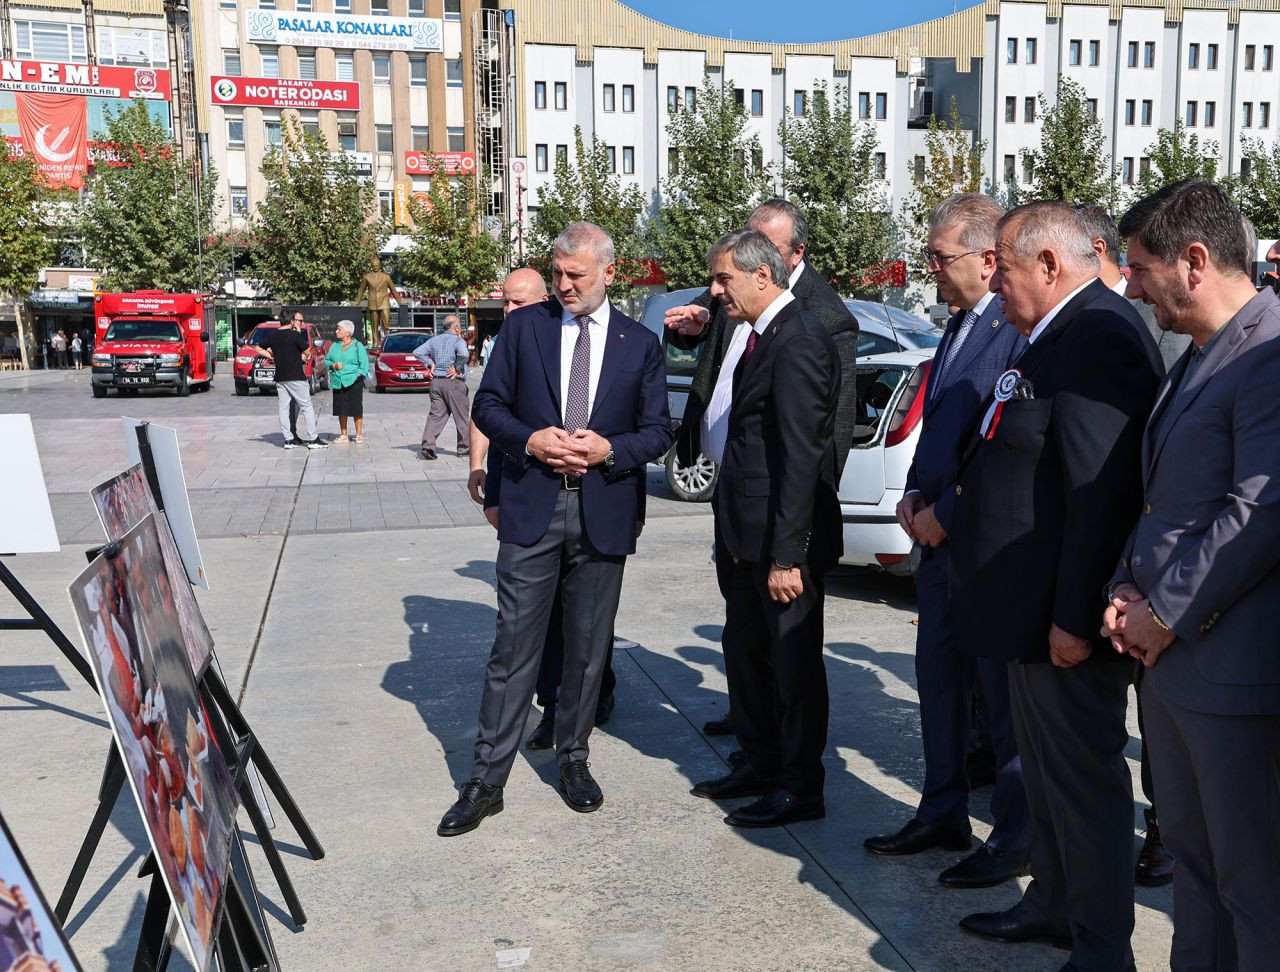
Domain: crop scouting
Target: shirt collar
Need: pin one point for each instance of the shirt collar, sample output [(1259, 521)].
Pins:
[(1048, 318), (1121, 286), (980, 307), (795, 275), (770, 312), (598, 316)]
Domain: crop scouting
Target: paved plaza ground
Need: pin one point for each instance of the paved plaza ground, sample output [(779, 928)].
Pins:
[(352, 603)]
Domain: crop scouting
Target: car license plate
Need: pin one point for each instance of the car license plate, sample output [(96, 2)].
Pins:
[(413, 376), (264, 374), (136, 380)]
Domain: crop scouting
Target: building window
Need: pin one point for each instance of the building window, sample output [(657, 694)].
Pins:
[(1246, 169), (270, 62), (132, 48), (611, 154), (1091, 107), (562, 95), (421, 136), (1193, 57), (380, 8), (227, 4), (385, 204), (691, 99), (453, 72), (880, 165), (347, 137), (344, 64), (673, 161), (882, 105), (1144, 168), (1249, 53), (1010, 167), (673, 99), (540, 158), (417, 70), (628, 159), (1132, 60), (1146, 111), (917, 169), (1211, 57), (562, 155), (539, 95), (1010, 109), (800, 103), (1126, 171), (1268, 57), (740, 98), (607, 99), (231, 63), (452, 9), (271, 128), (1130, 109), (304, 6), (1149, 54), (1028, 169), (239, 200), (418, 8), (1029, 109), (1074, 50), (235, 131), (1264, 114), (42, 40), (757, 103), (381, 68), (1011, 50), (1191, 114), (864, 104), (1210, 113), (342, 6), (385, 140), (628, 97), (1246, 115), (307, 65), (1095, 53), (457, 139), (1031, 50)]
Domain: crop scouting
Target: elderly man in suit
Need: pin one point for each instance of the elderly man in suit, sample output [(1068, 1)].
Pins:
[(707, 322), (976, 348), (1196, 596), (1048, 488), (779, 525), (575, 397)]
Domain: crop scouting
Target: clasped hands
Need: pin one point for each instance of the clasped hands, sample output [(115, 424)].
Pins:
[(568, 455), (1131, 627), (919, 521)]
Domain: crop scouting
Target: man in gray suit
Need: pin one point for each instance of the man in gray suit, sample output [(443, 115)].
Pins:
[(1196, 596)]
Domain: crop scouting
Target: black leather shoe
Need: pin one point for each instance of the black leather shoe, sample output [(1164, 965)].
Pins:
[(980, 767), (544, 734), (985, 868), (427, 454), (604, 709), (741, 781), (916, 837), (581, 792), (736, 758), (1155, 864), (777, 808), (475, 802), (1013, 926), (719, 727)]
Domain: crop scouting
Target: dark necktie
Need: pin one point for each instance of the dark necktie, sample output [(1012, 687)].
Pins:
[(579, 398), (741, 368)]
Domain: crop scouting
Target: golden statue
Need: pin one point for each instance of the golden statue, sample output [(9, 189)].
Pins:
[(377, 285)]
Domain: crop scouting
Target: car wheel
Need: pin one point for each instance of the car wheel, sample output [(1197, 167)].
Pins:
[(693, 483), (99, 391), (242, 388), (379, 388), (184, 385)]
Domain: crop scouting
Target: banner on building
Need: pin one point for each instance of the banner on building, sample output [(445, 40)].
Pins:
[(440, 163), (342, 30), (403, 188), (55, 129), (285, 93), (84, 80)]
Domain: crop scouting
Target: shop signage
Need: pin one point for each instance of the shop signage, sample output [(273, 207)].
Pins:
[(85, 80), (285, 93), (444, 163), (54, 128), (340, 30), (53, 298)]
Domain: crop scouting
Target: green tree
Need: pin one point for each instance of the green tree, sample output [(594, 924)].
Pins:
[(449, 253), (716, 178), (26, 246), (588, 189), (143, 222), (1176, 154), (1258, 192), (1070, 164), (316, 231), (830, 170), (953, 164)]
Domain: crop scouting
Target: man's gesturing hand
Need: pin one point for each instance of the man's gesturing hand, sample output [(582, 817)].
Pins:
[(1066, 650), (785, 584), (688, 319), (908, 507)]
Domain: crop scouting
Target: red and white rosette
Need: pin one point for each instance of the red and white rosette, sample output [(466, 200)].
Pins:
[(1005, 386)]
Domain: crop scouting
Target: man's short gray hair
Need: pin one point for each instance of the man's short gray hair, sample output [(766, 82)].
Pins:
[(1101, 226), (749, 250), (451, 319), (975, 214), (586, 236), (345, 327), (776, 207), (1047, 225)]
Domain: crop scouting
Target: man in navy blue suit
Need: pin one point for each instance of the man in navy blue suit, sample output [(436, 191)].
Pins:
[(976, 348), (575, 397)]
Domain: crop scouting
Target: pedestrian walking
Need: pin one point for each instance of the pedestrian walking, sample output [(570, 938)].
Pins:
[(445, 356), (76, 348), (59, 345), (287, 347), (485, 349), (348, 363)]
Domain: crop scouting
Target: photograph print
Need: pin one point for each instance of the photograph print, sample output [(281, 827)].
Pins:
[(31, 940), (177, 772)]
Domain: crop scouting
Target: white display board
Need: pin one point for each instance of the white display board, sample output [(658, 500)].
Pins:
[(26, 521), (173, 490)]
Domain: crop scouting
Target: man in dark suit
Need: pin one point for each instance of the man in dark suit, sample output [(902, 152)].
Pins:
[(779, 532), (707, 322), (1196, 596), (1049, 487), (575, 396), (976, 348)]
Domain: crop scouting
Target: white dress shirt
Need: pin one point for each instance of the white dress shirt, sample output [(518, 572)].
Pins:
[(569, 330), (795, 275), (715, 420), (1122, 286)]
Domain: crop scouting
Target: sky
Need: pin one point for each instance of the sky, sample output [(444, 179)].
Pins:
[(805, 21)]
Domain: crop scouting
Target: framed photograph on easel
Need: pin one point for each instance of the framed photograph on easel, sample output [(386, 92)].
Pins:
[(30, 937)]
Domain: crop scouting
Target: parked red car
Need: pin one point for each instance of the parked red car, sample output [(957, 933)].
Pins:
[(395, 366), (260, 373)]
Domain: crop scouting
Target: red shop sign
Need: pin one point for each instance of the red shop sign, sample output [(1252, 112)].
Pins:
[(443, 163), (285, 93), (85, 80)]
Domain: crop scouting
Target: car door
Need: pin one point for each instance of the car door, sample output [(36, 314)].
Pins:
[(879, 386)]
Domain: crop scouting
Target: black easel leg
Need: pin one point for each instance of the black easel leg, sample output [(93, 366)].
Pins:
[(243, 915), (112, 783), (47, 624), (274, 861), (153, 943)]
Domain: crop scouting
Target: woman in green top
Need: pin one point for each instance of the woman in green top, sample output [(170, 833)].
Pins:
[(348, 364)]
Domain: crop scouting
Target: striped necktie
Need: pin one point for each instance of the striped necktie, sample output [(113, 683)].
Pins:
[(953, 352), (578, 401)]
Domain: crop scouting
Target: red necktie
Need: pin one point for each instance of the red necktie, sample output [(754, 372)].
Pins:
[(751, 345)]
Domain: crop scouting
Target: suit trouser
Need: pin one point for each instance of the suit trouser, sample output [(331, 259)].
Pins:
[(448, 397), (590, 585), (1070, 727), (945, 677), (1148, 782), (287, 393), (777, 679), (551, 668), (1219, 779)]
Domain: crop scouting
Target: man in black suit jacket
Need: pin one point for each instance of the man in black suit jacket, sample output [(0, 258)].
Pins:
[(779, 523), (1048, 489)]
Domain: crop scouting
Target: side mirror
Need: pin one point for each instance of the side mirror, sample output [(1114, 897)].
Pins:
[(204, 335)]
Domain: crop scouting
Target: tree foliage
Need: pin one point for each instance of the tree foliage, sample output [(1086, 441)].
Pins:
[(142, 222), (1259, 193), (587, 188), (830, 171), (1070, 164), (316, 231), (717, 177), (448, 253), (26, 247), (1176, 154)]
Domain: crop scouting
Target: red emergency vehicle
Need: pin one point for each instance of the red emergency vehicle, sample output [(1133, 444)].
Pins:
[(151, 339)]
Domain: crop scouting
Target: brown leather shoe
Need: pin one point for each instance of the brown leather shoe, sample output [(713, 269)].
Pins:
[(1155, 864)]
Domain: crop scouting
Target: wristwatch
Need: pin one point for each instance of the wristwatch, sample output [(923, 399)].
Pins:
[(609, 461)]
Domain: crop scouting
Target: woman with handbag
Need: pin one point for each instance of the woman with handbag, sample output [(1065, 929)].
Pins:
[(348, 365)]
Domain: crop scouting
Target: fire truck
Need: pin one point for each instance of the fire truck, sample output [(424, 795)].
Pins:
[(151, 339)]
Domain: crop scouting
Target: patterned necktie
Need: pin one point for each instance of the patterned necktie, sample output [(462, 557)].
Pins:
[(579, 399), (966, 325)]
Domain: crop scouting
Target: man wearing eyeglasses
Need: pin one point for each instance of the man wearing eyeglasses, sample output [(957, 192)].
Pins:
[(977, 346)]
